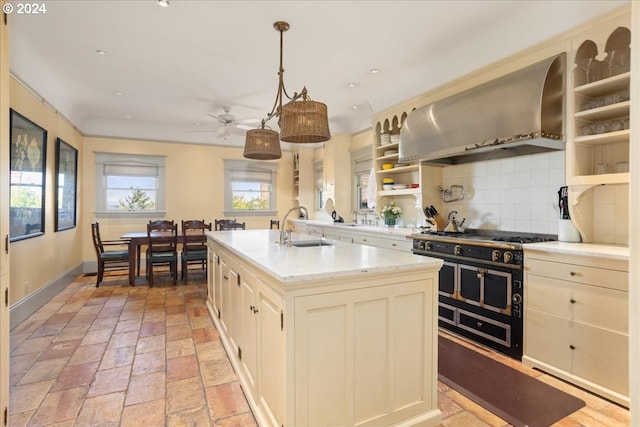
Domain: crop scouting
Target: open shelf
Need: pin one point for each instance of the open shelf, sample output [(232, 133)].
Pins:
[(604, 138)]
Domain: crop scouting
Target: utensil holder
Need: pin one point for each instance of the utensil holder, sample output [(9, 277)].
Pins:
[(567, 232)]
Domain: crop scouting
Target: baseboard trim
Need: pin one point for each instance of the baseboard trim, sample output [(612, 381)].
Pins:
[(28, 305)]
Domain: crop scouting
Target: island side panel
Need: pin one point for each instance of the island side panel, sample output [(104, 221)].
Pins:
[(368, 354)]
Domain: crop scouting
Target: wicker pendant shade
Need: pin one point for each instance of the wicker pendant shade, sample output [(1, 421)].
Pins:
[(301, 120), (262, 144), (304, 122)]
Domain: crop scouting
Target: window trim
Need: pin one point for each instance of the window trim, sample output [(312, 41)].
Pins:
[(101, 159), (249, 166)]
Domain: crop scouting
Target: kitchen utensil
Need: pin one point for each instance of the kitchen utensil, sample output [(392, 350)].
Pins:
[(563, 202), (387, 166)]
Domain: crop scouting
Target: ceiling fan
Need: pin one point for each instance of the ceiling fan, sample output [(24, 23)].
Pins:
[(230, 125)]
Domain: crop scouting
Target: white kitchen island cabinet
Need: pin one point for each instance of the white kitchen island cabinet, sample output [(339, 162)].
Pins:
[(336, 335)]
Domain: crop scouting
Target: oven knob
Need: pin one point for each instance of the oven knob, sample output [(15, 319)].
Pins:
[(495, 255), (508, 256), (457, 250), (517, 299), (427, 246)]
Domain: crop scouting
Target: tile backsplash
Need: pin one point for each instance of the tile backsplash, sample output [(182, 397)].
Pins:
[(521, 194), (513, 194)]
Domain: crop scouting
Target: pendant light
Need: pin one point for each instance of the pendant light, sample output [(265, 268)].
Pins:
[(301, 120)]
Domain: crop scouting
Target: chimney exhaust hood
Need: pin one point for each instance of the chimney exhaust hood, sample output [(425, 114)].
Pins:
[(519, 113)]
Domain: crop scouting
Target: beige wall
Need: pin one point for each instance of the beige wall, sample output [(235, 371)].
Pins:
[(37, 261), (194, 185)]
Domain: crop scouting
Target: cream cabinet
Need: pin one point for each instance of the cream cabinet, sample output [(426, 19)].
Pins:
[(599, 149), (576, 321), (331, 351)]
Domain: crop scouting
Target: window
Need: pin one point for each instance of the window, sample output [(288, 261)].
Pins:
[(318, 179), (129, 184), (361, 167), (249, 188)]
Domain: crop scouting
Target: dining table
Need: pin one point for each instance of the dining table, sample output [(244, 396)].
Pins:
[(138, 239)]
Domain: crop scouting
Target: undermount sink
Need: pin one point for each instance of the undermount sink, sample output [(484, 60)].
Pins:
[(310, 243)]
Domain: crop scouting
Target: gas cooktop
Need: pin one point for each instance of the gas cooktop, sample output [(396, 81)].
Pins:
[(485, 237)]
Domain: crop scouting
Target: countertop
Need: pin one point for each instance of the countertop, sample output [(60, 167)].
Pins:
[(296, 264), (599, 250), (379, 229)]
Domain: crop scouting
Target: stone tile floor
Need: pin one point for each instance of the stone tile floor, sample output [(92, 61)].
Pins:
[(138, 356)]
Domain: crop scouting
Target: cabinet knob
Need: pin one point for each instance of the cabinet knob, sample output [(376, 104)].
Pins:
[(479, 324), (479, 275), (251, 307), (572, 347), (255, 310), (573, 273), (226, 277), (572, 301)]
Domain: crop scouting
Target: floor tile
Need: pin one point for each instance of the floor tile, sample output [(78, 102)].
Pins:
[(148, 414), (28, 396), (60, 349), (116, 357), (110, 381), (145, 363), (60, 406), (185, 394), (88, 353), (183, 347), (190, 417), (150, 344), (104, 410), (75, 376), (226, 400), (180, 368), (145, 388), (44, 370)]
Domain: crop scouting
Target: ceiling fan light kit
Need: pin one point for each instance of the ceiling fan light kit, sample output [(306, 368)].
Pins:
[(301, 120)]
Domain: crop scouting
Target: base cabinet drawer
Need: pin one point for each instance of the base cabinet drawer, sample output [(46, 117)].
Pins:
[(593, 354)]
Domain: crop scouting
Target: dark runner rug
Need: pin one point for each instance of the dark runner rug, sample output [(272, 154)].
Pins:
[(521, 400)]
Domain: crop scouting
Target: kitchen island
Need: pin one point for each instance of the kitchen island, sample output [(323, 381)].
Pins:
[(338, 334)]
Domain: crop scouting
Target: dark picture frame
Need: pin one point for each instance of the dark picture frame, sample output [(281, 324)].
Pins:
[(66, 185), (28, 162)]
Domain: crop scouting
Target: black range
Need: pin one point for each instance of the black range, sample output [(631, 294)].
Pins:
[(481, 288)]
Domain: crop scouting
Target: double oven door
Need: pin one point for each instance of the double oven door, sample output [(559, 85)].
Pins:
[(482, 302)]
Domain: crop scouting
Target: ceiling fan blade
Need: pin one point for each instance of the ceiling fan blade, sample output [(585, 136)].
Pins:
[(248, 121), (215, 116), (237, 131), (245, 127)]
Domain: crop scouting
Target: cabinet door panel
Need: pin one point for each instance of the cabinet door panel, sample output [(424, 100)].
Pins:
[(224, 307), (271, 354), (249, 336), (547, 338), (351, 324), (234, 315), (602, 357)]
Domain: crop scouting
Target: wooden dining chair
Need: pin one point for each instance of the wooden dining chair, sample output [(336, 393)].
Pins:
[(232, 225), (111, 260), (162, 248), (194, 245), (220, 222)]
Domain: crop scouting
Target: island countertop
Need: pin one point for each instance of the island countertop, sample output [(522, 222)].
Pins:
[(290, 264)]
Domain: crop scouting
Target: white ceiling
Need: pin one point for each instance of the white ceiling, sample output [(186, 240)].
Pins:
[(175, 64)]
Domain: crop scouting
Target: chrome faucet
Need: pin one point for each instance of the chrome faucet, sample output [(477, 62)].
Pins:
[(285, 235)]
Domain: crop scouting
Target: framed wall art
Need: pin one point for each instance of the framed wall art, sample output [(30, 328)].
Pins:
[(66, 185), (28, 155)]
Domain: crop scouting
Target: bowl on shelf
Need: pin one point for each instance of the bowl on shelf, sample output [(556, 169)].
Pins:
[(400, 165), (390, 152), (388, 181), (414, 186), (400, 186), (387, 166), (387, 186)]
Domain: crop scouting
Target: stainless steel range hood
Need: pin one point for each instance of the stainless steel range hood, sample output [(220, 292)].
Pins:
[(519, 113)]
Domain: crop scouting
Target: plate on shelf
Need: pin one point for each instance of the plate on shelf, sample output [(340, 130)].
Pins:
[(400, 165), (390, 152), (400, 186)]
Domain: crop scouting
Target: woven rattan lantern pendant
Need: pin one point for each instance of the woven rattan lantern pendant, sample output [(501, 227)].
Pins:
[(262, 144), (301, 120)]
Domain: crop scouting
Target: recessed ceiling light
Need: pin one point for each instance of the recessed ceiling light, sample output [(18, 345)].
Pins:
[(101, 52), (163, 3), (352, 84), (354, 107), (374, 71), (127, 117), (118, 93)]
